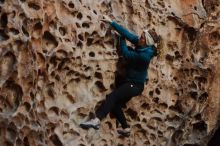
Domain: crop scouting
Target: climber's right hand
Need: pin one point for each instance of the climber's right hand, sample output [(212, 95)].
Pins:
[(106, 19)]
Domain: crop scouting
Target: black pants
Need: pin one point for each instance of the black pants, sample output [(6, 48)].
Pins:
[(117, 98)]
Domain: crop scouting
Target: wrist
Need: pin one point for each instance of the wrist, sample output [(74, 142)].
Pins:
[(112, 22)]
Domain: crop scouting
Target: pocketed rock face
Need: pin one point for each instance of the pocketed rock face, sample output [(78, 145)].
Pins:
[(58, 60)]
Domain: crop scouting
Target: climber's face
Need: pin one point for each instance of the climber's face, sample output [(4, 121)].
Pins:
[(142, 40)]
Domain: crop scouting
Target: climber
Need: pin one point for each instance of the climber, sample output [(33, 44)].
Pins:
[(138, 60)]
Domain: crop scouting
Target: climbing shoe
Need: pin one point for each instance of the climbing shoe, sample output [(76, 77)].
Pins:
[(93, 123), (124, 131)]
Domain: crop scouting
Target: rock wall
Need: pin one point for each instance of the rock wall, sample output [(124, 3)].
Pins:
[(58, 60)]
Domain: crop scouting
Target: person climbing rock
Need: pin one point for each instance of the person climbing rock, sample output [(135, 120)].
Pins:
[(138, 60)]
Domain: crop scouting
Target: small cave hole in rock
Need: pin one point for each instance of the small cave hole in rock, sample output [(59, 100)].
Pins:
[(112, 86), (214, 35), (94, 33), (138, 126), (25, 31), (200, 126), (4, 20), (89, 41), (80, 36), (177, 55), (32, 95), (17, 90), (71, 98), (163, 106), (156, 99), (56, 141), (151, 93), (195, 8), (44, 51), (66, 40), (57, 77), (174, 118), (53, 60), (37, 26), (177, 107), (50, 92), (77, 80), (79, 16), (91, 54), (94, 11), (144, 120), (110, 126), (160, 133), (62, 31), (145, 106), (198, 116), (53, 24), (3, 35), (79, 44), (201, 79), (133, 114), (26, 142), (14, 31), (169, 57), (100, 85), (153, 137), (89, 17), (74, 13), (71, 5), (27, 106), (98, 75), (203, 97), (33, 6), (22, 15), (102, 26), (192, 33), (50, 38), (193, 94), (55, 110), (193, 85), (88, 68), (85, 25), (177, 135), (157, 91), (175, 78), (78, 25)]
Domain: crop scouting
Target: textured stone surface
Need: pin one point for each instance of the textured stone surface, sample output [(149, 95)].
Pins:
[(57, 61)]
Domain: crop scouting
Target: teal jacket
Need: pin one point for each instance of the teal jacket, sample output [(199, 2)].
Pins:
[(138, 58)]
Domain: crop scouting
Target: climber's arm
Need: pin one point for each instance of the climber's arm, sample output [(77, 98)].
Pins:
[(133, 38)]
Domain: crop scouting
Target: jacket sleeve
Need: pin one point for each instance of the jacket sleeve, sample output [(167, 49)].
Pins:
[(133, 38), (132, 55)]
